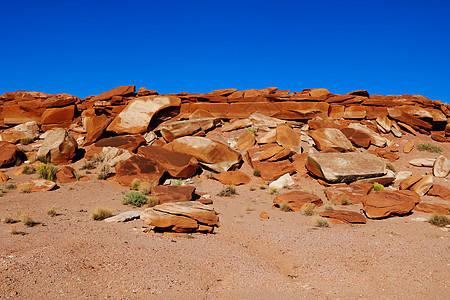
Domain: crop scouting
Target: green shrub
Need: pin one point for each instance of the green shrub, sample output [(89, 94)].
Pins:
[(252, 129), (176, 182), (135, 199), (256, 173), (377, 187), (429, 147), (47, 171)]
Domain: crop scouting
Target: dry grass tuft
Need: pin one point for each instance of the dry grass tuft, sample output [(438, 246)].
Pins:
[(47, 171), (98, 157), (152, 201), (285, 206), (328, 206), (8, 218), (439, 220), (101, 213), (145, 188), (274, 191), (321, 222), (27, 220), (52, 211), (228, 191), (24, 188), (103, 172), (88, 165), (28, 169), (256, 173), (135, 184), (309, 209)]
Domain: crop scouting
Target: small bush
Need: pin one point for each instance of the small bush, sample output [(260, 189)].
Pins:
[(344, 200), (101, 213), (321, 222), (377, 187), (27, 140), (256, 173), (391, 166), (98, 157), (10, 186), (176, 182), (248, 208), (152, 201), (252, 129), (228, 191), (328, 206), (52, 211), (8, 218), (145, 188), (309, 209), (135, 199), (135, 184), (24, 188), (103, 172), (252, 188), (274, 191), (88, 165), (28, 169), (429, 147), (27, 220), (262, 187), (439, 220), (284, 206), (47, 171)]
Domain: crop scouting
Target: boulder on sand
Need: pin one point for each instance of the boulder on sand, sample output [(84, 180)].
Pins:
[(389, 203), (232, 178), (296, 200), (212, 154), (344, 216), (144, 169), (345, 167), (9, 154), (173, 193), (441, 167), (59, 147)]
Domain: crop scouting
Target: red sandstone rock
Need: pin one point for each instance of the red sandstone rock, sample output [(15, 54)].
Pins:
[(273, 170), (246, 140), (296, 199), (66, 174), (58, 115), (355, 193), (118, 91), (288, 138), (168, 193), (37, 185), (439, 209), (3, 177), (344, 216), (357, 137), (389, 203), (139, 167), (178, 165), (331, 138), (232, 178), (9, 154), (439, 191)]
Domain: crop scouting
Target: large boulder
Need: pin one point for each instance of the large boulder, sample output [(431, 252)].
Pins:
[(389, 203), (178, 165), (345, 167), (66, 174), (357, 137), (9, 154), (296, 200), (59, 147), (330, 138), (57, 117), (138, 114), (139, 167), (246, 140), (191, 216), (211, 154), (272, 170)]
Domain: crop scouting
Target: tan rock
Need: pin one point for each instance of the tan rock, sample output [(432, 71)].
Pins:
[(330, 138), (246, 140), (191, 209), (441, 167), (408, 147), (173, 193), (354, 193), (15, 134), (269, 137), (422, 162), (237, 124), (232, 178), (432, 208), (37, 185), (375, 138), (423, 185), (171, 130), (288, 138), (439, 191), (3, 177), (59, 147)]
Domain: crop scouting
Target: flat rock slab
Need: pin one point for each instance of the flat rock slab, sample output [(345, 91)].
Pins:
[(441, 167), (384, 204), (124, 217), (232, 178), (344, 216), (296, 200), (439, 191), (330, 138), (345, 167), (422, 162), (439, 209), (38, 185), (354, 193), (173, 193)]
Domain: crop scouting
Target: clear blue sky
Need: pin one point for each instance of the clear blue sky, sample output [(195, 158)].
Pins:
[(87, 47)]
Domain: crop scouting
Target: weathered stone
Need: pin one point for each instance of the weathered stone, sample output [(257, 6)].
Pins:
[(288, 138), (409, 182), (422, 162), (439, 138), (127, 142), (282, 182), (384, 123), (232, 178), (408, 147), (168, 222), (173, 193), (296, 200), (37, 185), (389, 203), (383, 153), (95, 126), (439, 191), (423, 185), (59, 147), (357, 137), (212, 154), (269, 137), (66, 174), (124, 217), (171, 130), (192, 209), (384, 180), (432, 208), (237, 124), (441, 167), (144, 169), (9, 154), (375, 138), (178, 165), (126, 90), (264, 215), (354, 193), (345, 167), (58, 115), (344, 216), (330, 138), (112, 155), (3, 177), (355, 112), (28, 130), (246, 140), (273, 170), (138, 114)]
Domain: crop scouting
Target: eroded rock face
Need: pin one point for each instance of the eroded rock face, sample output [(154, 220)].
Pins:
[(171, 130), (246, 140), (59, 147), (354, 193), (344, 216), (188, 216), (178, 165), (296, 200), (15, 134), (345, 167), (136, 117), (212, 154), (431, 208), (439, 191), (169, 193), (288, 138), (390, 203), (125, 90), (330, 138), (144, 169)]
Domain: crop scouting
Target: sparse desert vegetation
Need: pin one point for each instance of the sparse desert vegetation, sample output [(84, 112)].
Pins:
[(227, 191), (101, 213), (134, 198), (429, 148), (47, 171)]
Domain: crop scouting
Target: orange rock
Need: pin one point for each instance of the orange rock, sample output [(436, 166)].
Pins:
[(232, 178), (273, 170), (389, 203), (58, 115), (355, 193), (66, 174), (408, 147), (357, 137), (344, 216), (355, 112), (246, 140), (118, 91), (9, 154), (439, 209), (331, 138), (410, 181), (439, 191), (37, 185), (423, 185), (168, 193), (264, 215), (296, 200), (3, 177), (144, 169), (288, 138)]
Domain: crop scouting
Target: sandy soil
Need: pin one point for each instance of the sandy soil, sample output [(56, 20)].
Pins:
[(70, 256)]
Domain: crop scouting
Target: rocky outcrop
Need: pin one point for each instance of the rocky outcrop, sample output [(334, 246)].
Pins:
[(138, 167), (331, 138), (59, 147)]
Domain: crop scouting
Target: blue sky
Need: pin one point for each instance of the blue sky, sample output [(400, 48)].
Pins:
[(87, 47)]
